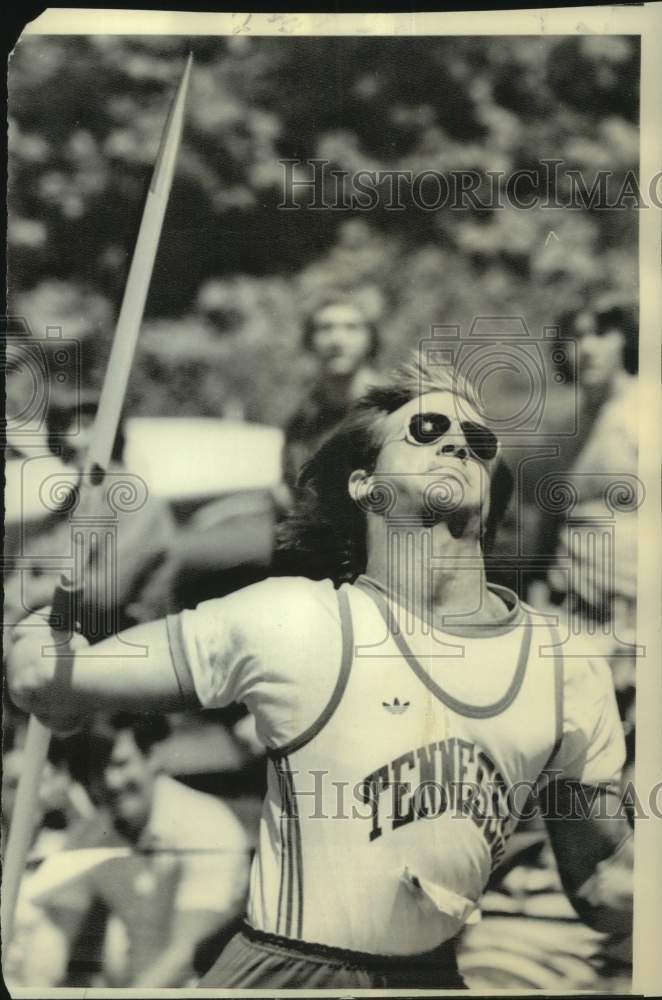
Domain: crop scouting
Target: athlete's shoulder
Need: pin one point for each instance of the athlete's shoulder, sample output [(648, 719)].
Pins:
[(284, 588), (274, 602), (295, 595), (296, 585), (300, 649)]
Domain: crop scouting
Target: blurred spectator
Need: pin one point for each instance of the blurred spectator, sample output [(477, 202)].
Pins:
[(36, 955), (345, 343), (530, 938), (62, 800), (223, 305), (229, 543), (168, 866), (600, 590)]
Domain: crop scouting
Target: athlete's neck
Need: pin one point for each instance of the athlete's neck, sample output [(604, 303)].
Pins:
[(431, 573)]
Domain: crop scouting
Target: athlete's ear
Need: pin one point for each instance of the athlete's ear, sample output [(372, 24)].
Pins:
[(358, 484), (372, 492)]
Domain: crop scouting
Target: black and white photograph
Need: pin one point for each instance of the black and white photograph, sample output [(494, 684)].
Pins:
[(331, 551)]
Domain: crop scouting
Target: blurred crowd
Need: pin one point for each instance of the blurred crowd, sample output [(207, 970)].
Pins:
[(138, 867), (281, 318)]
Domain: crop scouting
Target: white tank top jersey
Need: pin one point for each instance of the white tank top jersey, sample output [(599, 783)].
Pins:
[(395, 754)]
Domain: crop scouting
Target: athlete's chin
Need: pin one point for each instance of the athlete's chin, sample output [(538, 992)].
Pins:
[(448, 495), (430, 498)]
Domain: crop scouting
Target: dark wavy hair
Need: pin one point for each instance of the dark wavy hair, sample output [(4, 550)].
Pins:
[(607, 316), (622, 317), (88, 752), (325, 534)]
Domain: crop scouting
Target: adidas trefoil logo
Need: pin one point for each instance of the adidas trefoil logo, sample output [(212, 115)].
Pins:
[(397, 708)]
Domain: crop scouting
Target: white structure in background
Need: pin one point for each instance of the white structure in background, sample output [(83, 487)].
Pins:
[(189, 458)]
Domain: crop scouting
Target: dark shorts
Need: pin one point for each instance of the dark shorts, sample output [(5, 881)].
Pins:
[(255, 960)]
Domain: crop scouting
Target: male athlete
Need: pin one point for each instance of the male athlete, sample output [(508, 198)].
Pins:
[(408, 708)]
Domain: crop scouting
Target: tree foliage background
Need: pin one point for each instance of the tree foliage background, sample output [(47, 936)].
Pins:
[(235, 274)]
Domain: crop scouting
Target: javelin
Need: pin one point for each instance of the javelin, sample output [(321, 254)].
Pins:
[(67, 593)]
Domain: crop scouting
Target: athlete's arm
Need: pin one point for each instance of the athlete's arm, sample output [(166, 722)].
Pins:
[(63, 684), (254, 646), (583, 808), (593, 846)]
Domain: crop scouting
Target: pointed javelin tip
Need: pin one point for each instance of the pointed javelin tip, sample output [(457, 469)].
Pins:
[(172, 131), (187, 70)]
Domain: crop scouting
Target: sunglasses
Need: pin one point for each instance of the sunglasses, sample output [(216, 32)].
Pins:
[(427, 428)]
